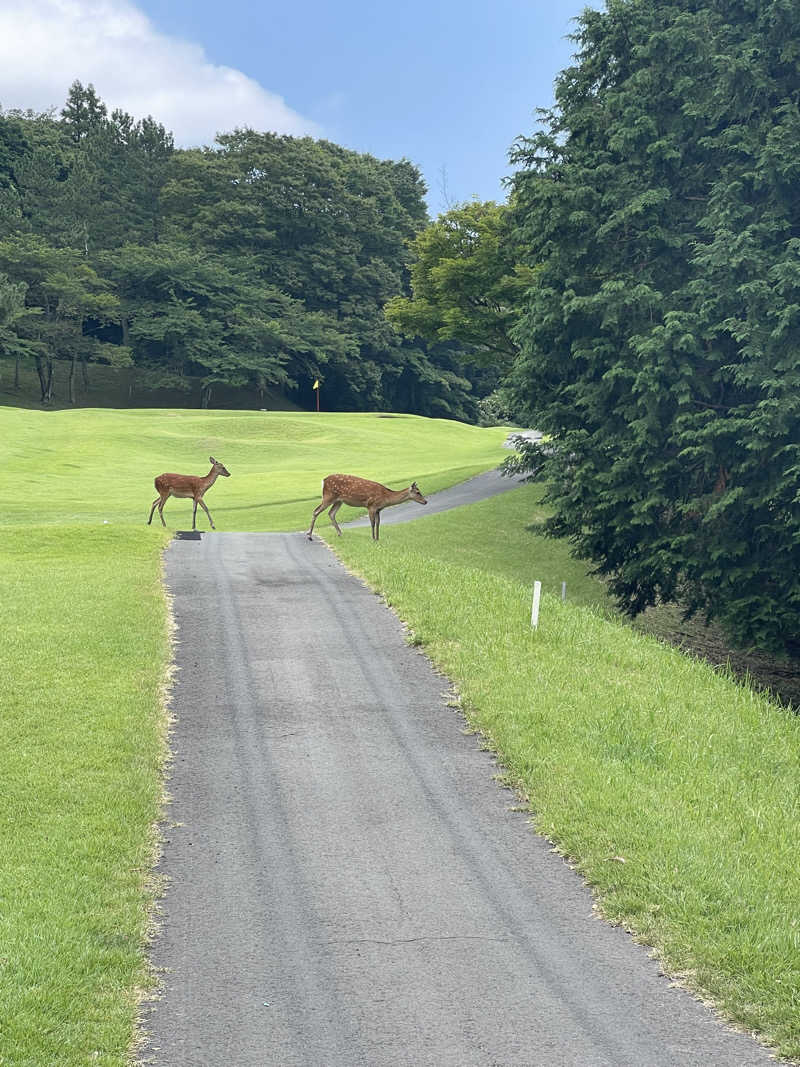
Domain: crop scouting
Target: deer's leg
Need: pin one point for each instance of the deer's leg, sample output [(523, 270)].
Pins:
[(162, 501), (202, 504), (372, 519), (152, 509), (377, 525), (317, 512), (332, 516)]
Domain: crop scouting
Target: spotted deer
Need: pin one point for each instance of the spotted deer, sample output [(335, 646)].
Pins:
[(338, 489), (187, 485)]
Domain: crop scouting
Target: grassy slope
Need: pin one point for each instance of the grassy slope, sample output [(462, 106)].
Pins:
[(84, 655), (674, 790)]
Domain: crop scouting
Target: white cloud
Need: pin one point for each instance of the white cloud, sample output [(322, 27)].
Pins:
[(46, 44)]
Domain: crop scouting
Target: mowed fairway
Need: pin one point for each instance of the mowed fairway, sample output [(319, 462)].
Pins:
[(85, 651), (86, 466)]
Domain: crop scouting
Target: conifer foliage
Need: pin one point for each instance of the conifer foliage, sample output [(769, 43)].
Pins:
[(660, 344)]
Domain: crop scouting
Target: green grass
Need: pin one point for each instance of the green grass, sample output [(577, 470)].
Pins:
[(90, 465), (503, 535), (85, 651), (674, 790), (84, 643)]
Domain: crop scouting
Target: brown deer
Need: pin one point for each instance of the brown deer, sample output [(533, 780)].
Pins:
[(338, 489), (187, 485)]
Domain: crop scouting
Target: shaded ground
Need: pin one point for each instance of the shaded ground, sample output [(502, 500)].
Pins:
[(780, 677)]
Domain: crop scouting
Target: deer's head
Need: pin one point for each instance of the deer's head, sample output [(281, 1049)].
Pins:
[(218, 468), (415, 494)]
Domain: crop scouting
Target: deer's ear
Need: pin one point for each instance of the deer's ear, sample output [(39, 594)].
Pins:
[(211, 459)]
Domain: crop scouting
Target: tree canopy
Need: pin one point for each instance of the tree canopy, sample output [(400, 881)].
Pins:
[(263, 261), (467, 281), (660, 343)]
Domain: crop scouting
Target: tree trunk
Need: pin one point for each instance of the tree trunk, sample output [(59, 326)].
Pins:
[(16, 373), (85, 373), (205, 396), (44, 368), (50, 376), (71, 380)]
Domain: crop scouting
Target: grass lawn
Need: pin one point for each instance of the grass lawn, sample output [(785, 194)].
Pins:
[(674, 790), (87, 465), (84, 642), (85, 652)]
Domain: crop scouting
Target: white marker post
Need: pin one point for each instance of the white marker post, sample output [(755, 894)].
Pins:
[(563, 590), (537, 592)]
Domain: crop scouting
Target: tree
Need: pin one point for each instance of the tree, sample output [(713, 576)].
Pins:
[(467, 283), (330, 229), (660, 344), (266, 261), (14, 146), (115, 168), (62, 293), (84, 113), (14, 314), (185, 314)]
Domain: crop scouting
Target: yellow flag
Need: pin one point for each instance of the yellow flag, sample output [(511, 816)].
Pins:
[(316, 384)]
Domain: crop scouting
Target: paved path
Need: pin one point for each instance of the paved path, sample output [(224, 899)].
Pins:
[(349, 885), (482, 486)]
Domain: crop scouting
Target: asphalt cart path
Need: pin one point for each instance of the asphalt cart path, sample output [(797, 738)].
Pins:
[(481, 487), (348, 882)]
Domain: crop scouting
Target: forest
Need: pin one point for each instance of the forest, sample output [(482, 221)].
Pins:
[(261, 263)]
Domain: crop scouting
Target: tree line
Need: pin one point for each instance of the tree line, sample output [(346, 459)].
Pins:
[(262, 262)]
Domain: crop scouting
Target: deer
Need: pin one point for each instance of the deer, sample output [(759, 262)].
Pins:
[(338, 489), (187, 485)]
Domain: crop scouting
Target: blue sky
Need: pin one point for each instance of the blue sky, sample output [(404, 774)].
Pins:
[(448, 85)]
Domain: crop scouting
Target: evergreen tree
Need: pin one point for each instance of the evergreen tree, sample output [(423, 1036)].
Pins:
[(660, 344)]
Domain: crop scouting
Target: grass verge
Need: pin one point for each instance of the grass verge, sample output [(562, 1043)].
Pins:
[(84, 651), (672, 789)]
